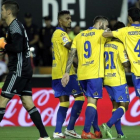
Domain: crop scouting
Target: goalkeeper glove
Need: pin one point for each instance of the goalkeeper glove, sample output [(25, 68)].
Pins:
[(2, 43)]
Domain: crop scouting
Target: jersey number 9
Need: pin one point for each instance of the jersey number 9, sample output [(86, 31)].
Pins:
[(87, 49)]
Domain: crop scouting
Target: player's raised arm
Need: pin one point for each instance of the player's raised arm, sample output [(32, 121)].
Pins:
[(107, 34), (65, 78)]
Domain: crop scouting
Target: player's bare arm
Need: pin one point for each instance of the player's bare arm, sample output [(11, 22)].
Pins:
[(68, 45), (107, 34), (127, 66), (75, 61), (65, 78), (70, 59)]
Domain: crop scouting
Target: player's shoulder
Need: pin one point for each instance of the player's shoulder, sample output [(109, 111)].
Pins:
[(124, 29), (16, 27), (119, 44), (60, 33), (80, 34), (85, 33), (99, 32)]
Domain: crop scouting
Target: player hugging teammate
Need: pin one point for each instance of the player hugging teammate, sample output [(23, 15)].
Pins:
[(100, 60), (124, 41)]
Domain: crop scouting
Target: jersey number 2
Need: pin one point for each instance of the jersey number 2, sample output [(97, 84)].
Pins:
[(53, 57), (107, 59), (137, 48)]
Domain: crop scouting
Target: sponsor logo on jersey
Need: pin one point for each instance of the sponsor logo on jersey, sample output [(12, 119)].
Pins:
[(88, 63), (137, 62), (110, 75)]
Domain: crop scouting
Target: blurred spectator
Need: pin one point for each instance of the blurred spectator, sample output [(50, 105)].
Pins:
[(45, 41), (133, 3), (112, 22), (76, 30), (138, 4), (33, 36), (3, 68), (3, 28)]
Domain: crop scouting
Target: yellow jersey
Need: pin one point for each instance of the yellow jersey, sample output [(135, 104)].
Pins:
[(90, 52), (60, 53), (130, 36), (115, 55)]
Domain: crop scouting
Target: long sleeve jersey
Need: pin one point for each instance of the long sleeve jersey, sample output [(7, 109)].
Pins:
[(18, 50)]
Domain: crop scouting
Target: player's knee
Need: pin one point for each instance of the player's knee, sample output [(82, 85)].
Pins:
[(92, 100), (27, 103), (126, 106), (123, 107), (64, 104), (28, 106), (80, 98)]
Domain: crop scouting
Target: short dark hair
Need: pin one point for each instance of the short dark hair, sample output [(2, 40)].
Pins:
[(13, 6), (118, 25), (97, 18), (134, 13), (61, 13)]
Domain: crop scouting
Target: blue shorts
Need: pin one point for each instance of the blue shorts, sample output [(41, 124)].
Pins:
[(93, 87), (73, 87), (136, 83), (118, 93)]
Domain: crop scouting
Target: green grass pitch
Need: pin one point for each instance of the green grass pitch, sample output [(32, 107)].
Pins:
[(31, 133)]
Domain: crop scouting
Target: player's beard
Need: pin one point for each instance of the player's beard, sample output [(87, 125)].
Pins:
[(101, 27), (69, 27)]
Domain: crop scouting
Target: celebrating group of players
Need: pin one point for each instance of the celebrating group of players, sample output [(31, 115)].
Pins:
[(102, 57)]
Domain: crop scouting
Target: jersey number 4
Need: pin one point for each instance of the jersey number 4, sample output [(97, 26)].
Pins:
[(137, 48), (106, 54)]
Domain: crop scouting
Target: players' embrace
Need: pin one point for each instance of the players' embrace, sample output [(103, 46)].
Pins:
[(102, 59)]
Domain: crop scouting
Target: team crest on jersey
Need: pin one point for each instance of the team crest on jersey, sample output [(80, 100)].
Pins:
[(65, 39)]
